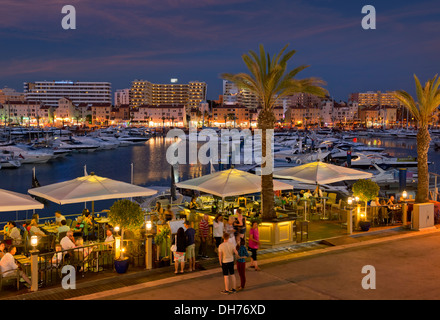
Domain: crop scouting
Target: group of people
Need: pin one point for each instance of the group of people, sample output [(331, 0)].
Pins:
[(230, 245)]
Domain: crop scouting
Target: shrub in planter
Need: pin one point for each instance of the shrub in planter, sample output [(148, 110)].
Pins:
[(128, 216), (366, 190)]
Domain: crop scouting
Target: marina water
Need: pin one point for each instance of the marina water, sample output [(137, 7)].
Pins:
[(150, 170)]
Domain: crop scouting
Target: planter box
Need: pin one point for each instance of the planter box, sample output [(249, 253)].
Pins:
[(423, 216), (275, 234)]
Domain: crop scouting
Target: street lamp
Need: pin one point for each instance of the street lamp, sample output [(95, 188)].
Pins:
[(34, 242)]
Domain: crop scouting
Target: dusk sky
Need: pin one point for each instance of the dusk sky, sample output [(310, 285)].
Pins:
[(155, 40)]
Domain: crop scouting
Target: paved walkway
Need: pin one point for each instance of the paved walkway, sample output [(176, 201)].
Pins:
[(114, 285)]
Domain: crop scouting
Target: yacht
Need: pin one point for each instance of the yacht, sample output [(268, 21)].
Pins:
[(365, 160), (27, 154)]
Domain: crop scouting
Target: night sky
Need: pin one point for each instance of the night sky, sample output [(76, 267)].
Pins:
[(155, 40)]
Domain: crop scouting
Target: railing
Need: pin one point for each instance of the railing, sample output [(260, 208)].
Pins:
[(88, 259)]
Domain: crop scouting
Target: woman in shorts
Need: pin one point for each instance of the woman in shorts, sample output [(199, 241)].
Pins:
[(179, 255)]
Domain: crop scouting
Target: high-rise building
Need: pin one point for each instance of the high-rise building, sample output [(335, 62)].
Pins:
[(190, 94), (50, 92), (122, 96), (374, 98), (9, 94)]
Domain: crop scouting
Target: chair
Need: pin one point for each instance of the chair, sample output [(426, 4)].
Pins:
[(73, 224), (10, 275), (331, 200), (337, 207), (68, 222), (61, 235), (302, 229)]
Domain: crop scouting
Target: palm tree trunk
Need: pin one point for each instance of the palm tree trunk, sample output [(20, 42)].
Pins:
[(266, 122), (423, 139)]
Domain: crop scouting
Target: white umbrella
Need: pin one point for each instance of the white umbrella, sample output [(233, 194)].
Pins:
[(229, 183), (13, 201), (320, 173), (89, 188)]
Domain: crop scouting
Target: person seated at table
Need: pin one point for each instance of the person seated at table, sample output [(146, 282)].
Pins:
[(15, 234), (36, 217), (86, 217), (57, 258), (80, 227), (7, 229), (68, 241), (375, 202), (307, 194), (2, 249), (58, 218), (109, 238), (169, 214), (391, 201), (317, 192), (9, 266), (63, 227), (27, 225), (35, 230)]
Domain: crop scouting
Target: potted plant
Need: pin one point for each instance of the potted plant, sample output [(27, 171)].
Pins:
[(128, 216), (366, 190), (160, 239)]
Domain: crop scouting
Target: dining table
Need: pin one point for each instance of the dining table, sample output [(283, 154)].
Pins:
[(102, 221)]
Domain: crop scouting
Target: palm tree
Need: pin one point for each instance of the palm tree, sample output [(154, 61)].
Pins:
[(269, 80), (428, 100)]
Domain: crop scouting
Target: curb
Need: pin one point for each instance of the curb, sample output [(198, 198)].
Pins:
[(287, 257)]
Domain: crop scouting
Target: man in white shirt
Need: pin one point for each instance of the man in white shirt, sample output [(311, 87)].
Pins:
[(226, 253), (109, 239), (15, 234), (8, 265), (58, 218), (68, 242)]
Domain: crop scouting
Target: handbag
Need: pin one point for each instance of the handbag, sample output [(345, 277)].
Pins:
[(174, 246)]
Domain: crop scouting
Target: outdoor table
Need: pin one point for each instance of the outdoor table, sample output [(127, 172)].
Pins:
[(394, 209), (325, 199), (101, 222)]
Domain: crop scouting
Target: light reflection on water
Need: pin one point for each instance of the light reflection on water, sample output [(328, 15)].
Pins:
[(150, 169)]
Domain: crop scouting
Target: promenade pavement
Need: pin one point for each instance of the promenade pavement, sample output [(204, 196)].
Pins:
[(271, 283)]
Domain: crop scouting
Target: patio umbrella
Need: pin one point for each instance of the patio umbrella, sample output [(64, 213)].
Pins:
[(173, 185), (13, 201), (89, 188), (320, 173), (231, 182)]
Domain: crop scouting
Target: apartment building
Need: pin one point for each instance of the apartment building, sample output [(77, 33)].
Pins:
[(374, 98), (122, 97), (9, 94), (50, 92), (189, 94), (19, 111), (158, 116)]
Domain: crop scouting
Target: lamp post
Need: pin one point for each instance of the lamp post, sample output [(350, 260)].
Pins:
[(149, 244), (34, 263), (117, 243), (404, 209), (350, 216)]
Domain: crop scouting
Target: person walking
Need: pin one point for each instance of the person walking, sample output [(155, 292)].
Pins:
[(190, 234), (240, 226), (226, 252), (241, 263), (254, 243), (179, 254), (218, 227), (203, 233)]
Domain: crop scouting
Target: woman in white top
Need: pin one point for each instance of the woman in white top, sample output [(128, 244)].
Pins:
[(218, 230), (229, 228)]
